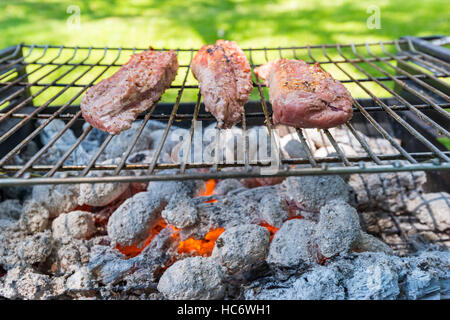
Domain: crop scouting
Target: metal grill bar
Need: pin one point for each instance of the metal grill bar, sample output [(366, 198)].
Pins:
[(392, 56)]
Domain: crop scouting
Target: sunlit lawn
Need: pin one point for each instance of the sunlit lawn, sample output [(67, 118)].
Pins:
[(190, 24)]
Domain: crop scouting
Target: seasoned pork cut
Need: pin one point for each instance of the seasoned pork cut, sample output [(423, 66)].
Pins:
[(305, 96), (225, 80), (114, 103)]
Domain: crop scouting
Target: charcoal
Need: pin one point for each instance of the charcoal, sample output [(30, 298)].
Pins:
[(338, 228), (108, 265), (225, 186), (432, 209), (367, 242), (191, 279), (273, 210), (81, 283), (310, 193), (180, 214), (10, 209), (25, 283), (36, 248), (71, 255), (293, 245), (131, 223), (35, 217), (75, 224), (240, 247), (57, 198), (293, 148)]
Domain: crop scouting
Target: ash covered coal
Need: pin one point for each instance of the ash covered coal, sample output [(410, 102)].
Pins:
[(294, 238)]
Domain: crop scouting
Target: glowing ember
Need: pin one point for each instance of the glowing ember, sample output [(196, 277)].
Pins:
[(272, 229), (203, 247), (134, 250), (210, 185)]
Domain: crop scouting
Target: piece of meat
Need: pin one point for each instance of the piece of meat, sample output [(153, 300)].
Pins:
[(225, 80), (114, 103), (305, 96)]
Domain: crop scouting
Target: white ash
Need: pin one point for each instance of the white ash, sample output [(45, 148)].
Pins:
[(180, 214), (432, 209), (131, 223), (70, 255), (57, 198), (310, 193), (35, 217), (293, 245), (240, 247), (338, 228), (75, 224), (80, 283), (363, 276), (192, 279), (389, 191)]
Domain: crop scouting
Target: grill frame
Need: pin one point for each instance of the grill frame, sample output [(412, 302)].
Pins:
[(434, 98)]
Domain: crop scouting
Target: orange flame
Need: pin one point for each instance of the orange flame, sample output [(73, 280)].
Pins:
[(202, 247), (135, 249), (210, 185)]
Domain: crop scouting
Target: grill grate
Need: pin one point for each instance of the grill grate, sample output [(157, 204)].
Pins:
[(400, 86)]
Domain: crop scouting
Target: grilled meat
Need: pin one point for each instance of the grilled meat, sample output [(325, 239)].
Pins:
[(114, 103), (225, 80), (305, 96)]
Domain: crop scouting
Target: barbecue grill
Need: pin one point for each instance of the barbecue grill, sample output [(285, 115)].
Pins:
[(401, 89)]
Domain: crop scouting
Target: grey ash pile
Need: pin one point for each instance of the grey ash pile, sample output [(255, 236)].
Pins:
[(303, 238)]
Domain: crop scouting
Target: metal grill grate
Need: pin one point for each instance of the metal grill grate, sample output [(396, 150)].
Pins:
[(401, 88)]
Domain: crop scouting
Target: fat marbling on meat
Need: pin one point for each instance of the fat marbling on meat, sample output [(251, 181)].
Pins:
[(305, 96), (114, 103), (225, 80)]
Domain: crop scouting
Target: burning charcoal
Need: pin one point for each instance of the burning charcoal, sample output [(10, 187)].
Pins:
[(293, 245), (75, 224), (367, 242), (272, 210), (24, 283), (310, 193), (36, 248), (240, 247), (108, 265), (338, 228), (165, 190), (432, 209), (180, 214), (57, 198), (389, 191), (35, 217), (131, 223), (192, 279)]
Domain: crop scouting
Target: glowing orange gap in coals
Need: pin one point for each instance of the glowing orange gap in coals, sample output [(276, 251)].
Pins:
[(202, 247), (210, 185), (134, 250)]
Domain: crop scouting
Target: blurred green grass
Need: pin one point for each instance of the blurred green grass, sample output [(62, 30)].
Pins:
[(190, 24), (177, 23)]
